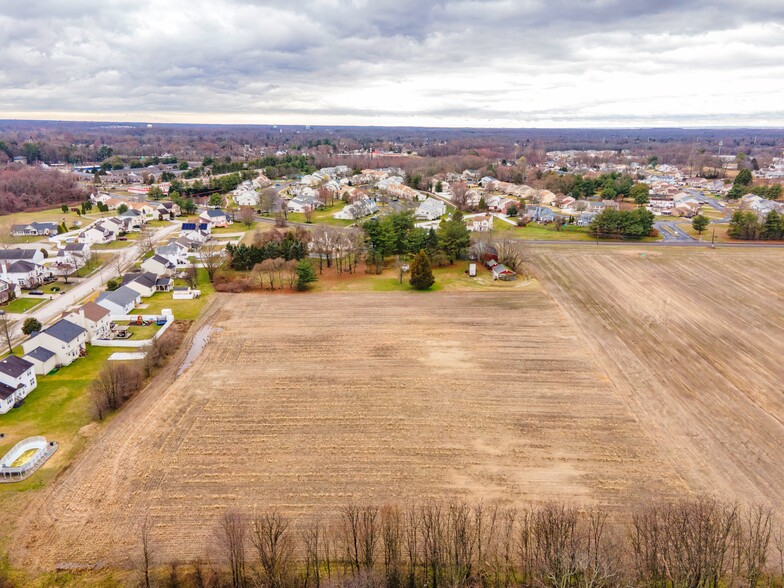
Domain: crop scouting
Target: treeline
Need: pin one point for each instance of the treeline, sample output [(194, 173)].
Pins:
[(395, 234), (692, 543), (622, 224), (26, 187), (225, 183), (611, 185), (269, 245), (741, 186), (747, 224)]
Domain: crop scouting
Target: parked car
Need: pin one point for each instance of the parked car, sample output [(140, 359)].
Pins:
[(36, 292)]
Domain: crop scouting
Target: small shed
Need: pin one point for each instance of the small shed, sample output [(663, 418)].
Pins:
[(43, 360)]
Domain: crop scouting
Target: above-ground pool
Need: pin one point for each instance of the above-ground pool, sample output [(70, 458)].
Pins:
[(25, 457)]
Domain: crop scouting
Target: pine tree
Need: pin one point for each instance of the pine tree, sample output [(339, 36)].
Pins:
[(421, 273), (306, 275)]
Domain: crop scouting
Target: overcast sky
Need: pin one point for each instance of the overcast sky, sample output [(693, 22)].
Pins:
[(513, 63)]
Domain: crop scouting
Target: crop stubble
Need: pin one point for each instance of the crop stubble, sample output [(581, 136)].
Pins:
[(627, 382)]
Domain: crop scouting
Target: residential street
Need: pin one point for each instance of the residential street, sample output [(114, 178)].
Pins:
[(53, 309)]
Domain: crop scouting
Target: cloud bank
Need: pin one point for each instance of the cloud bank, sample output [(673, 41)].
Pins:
[(503, 63)]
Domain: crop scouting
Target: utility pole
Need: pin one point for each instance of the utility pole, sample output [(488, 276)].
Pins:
[(713, 239)]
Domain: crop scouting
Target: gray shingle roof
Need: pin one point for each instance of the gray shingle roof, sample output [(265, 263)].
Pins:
[(40, 354), (17, 253), (14, 366), (64, 330), (122, 296)]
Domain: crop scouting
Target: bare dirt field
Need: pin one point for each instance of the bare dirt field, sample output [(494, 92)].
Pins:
[(694, 340), (621, 379)]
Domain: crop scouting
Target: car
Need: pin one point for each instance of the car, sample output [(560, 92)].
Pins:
[(122, 238), (36, 292)]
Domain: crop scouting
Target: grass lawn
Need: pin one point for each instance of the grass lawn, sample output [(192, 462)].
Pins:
[(96, 260), (23, 304), (114, 245), (322, 216), (453, 277), (182, 309), (143, 332), (56, 409), (707, 234), (535, 231), (233, 228)]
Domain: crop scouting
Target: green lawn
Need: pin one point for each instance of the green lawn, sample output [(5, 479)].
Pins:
[(114, 245), (23, 304), (143, 332), (56, 409), (322, 216), (182, 309), (536, 231)]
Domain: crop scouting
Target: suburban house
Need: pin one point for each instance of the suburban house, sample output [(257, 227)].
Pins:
[(501, 203), (762, 206), (430, 209), (215, 217), (34, 229), (168, 210), (304, 204), (132, 219), (480, 223), (160, 266), (96, 234), (17, 380), (364, 206), (43, 360), (18, 254), (585, 218), (541, 214), (8, 291), (64, 338), (175, 252), (143, 283), (94, 318), (22, 273), (120, 301), (196, 233)]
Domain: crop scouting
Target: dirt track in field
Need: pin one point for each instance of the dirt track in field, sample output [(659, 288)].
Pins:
[(624, 378)]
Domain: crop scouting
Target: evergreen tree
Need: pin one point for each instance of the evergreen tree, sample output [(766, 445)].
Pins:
[(699, 223), (743, 178), (421, 272), (774, 226), (30, 325), (306, 275)]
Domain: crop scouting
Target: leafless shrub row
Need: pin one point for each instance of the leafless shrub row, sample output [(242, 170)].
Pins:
[(692, 544)]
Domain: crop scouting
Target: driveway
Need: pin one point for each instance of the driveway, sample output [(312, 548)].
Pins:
[(675, 234)]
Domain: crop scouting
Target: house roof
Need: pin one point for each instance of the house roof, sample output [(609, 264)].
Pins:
[(213, 213), (162, 260), (40, 354), (75, 246), (122, 296), (14, 366), (6, 392), (17, 253), (94, 312), (163, 281), (146, 279), (64, 330), (22, 267), (188, 226)]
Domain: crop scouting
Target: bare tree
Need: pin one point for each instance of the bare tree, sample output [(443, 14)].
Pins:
[(146, 241), (459, 195), (146, 558), (211, 258), (114, 384), (274, 548), (6, 328), (267, 200), (246, 216), (231, 535), (511, 253)]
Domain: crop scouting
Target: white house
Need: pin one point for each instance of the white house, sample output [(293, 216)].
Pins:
[(364, 206), (196, 233), (34, 229), (64, 338), (175, 252), (94, 318), (304, 203), (120, 301), (430, 209), (481, 223), (43, 360), (143, 283), (22, 273), (160, 266), (17, 380), (215, 217)]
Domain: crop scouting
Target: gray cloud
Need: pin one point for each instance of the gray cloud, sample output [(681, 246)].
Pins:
[(462, 62)]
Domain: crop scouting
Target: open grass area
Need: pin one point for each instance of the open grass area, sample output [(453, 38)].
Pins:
[(18, 305), (182, 309), (142, 332), (536, 231), (722, 235), (450, 278), (322, 216), (57, 409)]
